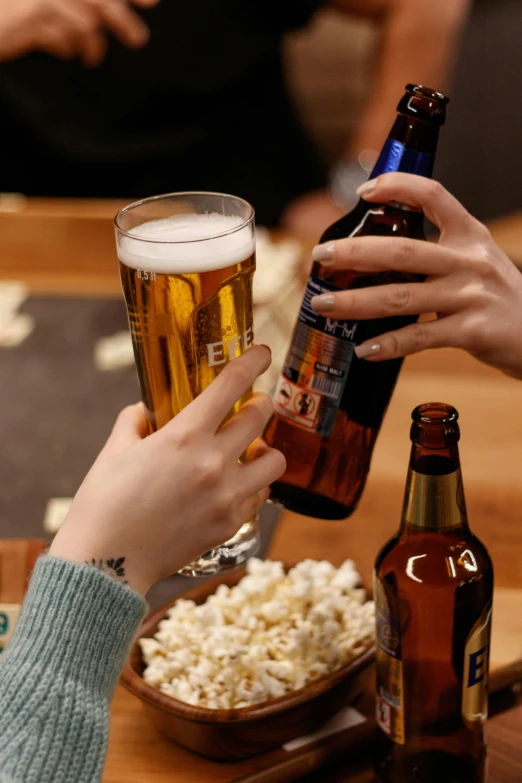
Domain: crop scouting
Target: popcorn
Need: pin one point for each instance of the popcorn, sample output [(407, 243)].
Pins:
[(271, 634)]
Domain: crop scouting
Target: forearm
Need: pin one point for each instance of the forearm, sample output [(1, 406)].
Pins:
[(418, 44), (59, 672)]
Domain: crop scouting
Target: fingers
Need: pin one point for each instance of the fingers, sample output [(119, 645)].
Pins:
[(256, 449), (411, 339), (126, 25), (74, 32), (239, 432), (94, 49), (253, 504), (68, 30), (64, 27), (213, 404), (388, 300), (380, 254), (257, 474), (130, 427), (438, 205), (55, 39)]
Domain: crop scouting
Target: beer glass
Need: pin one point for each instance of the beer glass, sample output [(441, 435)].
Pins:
[(186, 262)]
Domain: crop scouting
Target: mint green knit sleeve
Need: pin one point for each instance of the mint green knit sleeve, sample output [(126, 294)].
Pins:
[(59, 672)]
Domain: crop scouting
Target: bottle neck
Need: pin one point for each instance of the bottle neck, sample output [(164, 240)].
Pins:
[(434, 497), (410, 148)]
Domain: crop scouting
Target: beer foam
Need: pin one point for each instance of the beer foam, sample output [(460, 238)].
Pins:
[(186, 243)]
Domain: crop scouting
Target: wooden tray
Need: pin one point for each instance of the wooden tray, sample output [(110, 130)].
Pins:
[(138, 752)]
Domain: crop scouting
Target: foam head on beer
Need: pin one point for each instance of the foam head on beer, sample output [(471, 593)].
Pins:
[(187, 282), (184, 244)]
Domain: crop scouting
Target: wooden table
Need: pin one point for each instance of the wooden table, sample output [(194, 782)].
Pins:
[(139, 754), (491, 421), (68, 247)]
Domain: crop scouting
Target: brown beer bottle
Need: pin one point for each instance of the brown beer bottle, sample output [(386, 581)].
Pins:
[(433, 590), (329, 404)]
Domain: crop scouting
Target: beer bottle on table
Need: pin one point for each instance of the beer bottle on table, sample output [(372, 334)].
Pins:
[(433, 588), (329, 404)]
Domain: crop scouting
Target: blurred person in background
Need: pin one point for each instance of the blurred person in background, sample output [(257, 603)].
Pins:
[(127, 98), (480, 159)]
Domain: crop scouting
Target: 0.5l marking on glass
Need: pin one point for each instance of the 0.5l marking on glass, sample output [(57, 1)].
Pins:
[(314, 375), (144, 274)]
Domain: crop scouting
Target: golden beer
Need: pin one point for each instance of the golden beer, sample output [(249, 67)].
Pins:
[(187, 281)]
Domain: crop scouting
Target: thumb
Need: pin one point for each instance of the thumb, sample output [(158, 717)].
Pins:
[(129, 428)]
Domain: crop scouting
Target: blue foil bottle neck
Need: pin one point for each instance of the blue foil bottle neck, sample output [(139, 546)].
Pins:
[(396, 157)]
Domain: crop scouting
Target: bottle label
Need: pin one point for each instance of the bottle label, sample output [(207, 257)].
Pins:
[(396, 157), (390, 689), (434, 502), (316, 367), (476, 672)]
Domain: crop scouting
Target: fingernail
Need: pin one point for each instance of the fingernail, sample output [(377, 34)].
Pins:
[(367, 349), (324, 253), (367, 187), (267, 348), (323, 303)]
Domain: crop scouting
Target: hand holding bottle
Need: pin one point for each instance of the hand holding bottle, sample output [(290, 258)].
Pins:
[(329, 405), (471, 285)]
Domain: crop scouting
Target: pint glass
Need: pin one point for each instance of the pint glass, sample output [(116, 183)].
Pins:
[(187, 261)]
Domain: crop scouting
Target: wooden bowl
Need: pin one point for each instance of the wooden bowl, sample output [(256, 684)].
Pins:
[(240, 733)]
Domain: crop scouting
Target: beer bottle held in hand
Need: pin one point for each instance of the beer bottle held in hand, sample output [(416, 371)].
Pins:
[(329, 404), (433, 589)]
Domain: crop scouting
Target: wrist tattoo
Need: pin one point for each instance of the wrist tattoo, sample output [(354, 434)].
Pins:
[(113, 567)]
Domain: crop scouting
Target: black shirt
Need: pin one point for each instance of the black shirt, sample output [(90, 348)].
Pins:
[(202, 106)]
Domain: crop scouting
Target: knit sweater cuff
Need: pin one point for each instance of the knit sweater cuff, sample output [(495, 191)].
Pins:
[(80, 621)]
